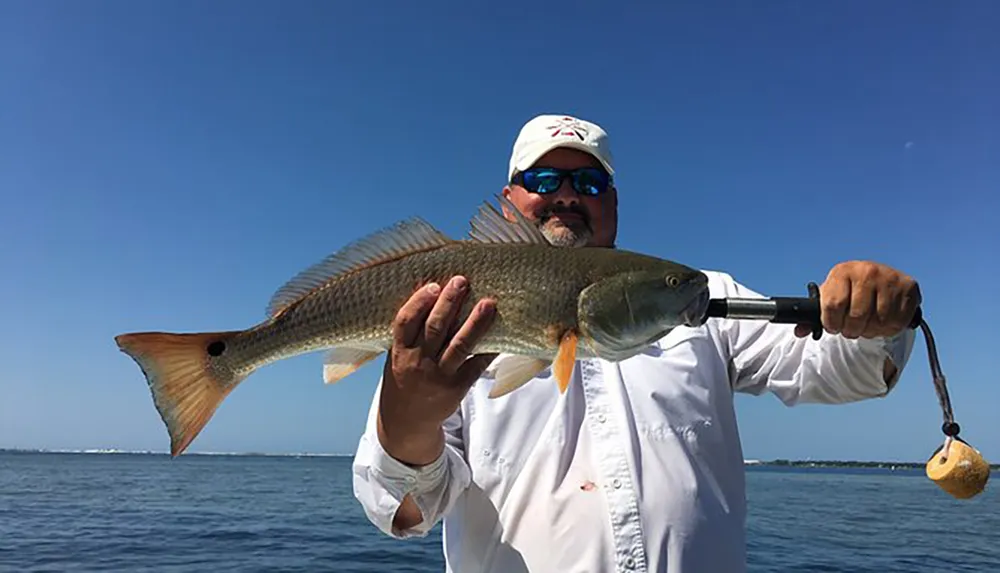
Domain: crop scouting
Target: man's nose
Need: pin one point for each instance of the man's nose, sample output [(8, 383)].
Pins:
[(566, 194)]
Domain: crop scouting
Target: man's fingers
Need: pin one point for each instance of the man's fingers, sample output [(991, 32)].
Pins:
[(834, 297), (441, 317), (467, 337), (407, 326), (884, 307), (910, 302), (907, 302), (859, 314)]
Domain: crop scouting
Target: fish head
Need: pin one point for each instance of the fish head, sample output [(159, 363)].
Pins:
[(628, 310)]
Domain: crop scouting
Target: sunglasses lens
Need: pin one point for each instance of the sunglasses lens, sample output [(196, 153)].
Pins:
[(590, 181), (542, 180)]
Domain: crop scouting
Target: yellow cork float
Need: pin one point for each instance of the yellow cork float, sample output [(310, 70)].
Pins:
[(959, 469)]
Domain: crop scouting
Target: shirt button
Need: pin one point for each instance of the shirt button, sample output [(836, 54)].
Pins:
[(602, 418), (410, 480), (486, 453), (616, 482), (629, 562)]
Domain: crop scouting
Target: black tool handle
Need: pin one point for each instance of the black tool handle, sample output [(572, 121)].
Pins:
[(803, 310)]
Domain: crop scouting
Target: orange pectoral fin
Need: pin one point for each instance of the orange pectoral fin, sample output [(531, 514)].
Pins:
[(562, 367)]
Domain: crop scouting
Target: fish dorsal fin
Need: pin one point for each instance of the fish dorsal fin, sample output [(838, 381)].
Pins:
[(403, 238), (490, 226)]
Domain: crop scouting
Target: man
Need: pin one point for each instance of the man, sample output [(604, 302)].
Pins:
[(638, 466)]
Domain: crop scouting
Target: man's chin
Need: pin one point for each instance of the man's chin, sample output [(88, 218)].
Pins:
[(561, 235)]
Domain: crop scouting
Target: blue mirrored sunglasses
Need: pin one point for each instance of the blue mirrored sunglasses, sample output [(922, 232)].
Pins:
[(544, 180)]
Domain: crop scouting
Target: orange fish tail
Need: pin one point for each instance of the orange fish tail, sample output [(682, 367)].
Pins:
[(178, 368)]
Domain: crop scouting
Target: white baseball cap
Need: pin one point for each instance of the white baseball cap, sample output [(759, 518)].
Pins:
[(544, 133)]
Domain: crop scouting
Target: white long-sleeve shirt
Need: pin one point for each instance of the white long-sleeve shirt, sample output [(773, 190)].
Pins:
[(637, 467)]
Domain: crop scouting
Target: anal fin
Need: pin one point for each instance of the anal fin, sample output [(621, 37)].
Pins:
[(342, 361), (515, 371), (562, 367)]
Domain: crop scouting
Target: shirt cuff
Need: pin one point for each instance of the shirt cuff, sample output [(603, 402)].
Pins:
[(400, 479), (897, 349), (390, 480)]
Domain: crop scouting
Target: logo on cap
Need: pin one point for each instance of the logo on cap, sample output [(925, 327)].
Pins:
[(569, 126)]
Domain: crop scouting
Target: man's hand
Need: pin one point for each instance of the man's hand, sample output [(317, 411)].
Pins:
[(429, 371), (866, 299)]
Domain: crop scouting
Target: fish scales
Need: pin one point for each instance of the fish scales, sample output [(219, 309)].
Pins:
[(360, 306)]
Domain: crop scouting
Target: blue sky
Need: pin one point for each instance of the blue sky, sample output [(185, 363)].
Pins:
[(169, 165)]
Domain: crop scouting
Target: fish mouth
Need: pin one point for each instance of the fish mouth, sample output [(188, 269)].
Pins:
[(694, 314)]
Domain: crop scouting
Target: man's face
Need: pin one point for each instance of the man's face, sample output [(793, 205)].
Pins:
[(565, 217)]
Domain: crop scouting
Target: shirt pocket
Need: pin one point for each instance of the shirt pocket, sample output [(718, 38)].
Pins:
[(507, 430), (677, 385)]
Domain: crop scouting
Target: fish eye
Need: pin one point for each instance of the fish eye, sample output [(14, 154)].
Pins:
[(673, 281)]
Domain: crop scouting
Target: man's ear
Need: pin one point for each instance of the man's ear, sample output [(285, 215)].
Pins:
[(503, 206)]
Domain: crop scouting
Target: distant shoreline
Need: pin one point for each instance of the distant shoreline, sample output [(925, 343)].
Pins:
[(841, 464), (749, 463), (99, 451)]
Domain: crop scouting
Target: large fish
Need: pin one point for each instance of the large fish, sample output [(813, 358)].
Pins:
[(553, 306)]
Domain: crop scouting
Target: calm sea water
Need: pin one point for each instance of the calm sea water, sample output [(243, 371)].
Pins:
[(76, 512)]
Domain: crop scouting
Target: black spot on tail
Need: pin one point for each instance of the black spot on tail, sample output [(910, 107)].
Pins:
[(216, 348)]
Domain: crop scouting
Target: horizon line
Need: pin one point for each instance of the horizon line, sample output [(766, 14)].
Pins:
[(116, 451), (98, 451)]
